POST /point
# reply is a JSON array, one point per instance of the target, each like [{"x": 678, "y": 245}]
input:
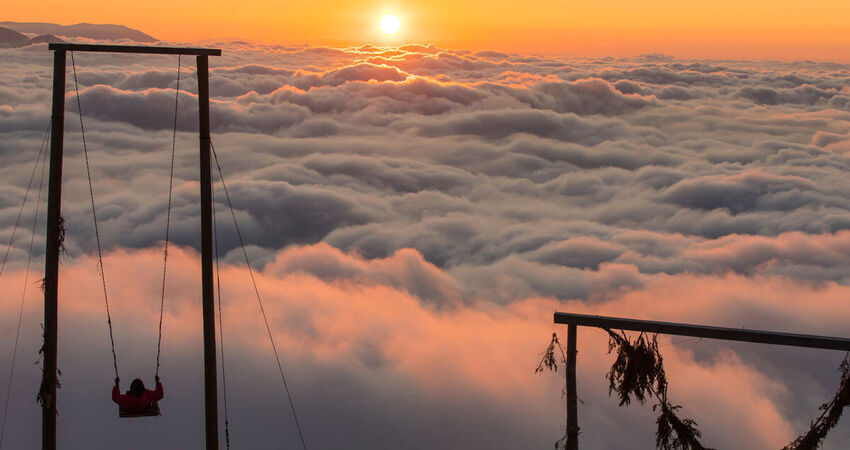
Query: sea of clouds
[{"x": 415, "y": 215}]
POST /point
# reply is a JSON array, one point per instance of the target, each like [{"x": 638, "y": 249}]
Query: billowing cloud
[
  {"x": 416, "y": 215},
  {"x": 365, "y": 338}
]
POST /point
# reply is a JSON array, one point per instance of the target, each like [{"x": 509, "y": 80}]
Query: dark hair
[{"x": 137, "y": 388}]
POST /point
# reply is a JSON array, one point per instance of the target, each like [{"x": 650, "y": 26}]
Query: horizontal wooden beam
[
  {"x": 702, "y": 331},
  {"x": 136, "y": 49}
]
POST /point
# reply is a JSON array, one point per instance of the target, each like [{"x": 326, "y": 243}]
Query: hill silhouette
[
  {"x": 86, "y": 30},
  {"x": 11, "y": 39},
  {"x": 44, "y": 38}
]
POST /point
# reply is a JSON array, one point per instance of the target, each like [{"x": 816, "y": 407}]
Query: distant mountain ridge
[
  {"x": 86, "y": 30},
  {"x": 11, "y": 38}
]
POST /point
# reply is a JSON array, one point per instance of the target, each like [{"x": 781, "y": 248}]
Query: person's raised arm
[
  {"x": 158, "y": 393},
  {"x": 116, "y": 391}
]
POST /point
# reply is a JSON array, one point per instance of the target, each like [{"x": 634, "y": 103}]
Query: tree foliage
[
  {"x": 61, "y": 239},
  {"x": 548, "y": 358},
  {"x": 549, "y": 361},
  {"x": 638, "y": 371},
  {"x": 830, "y": 413},
  {"x": 673, "y": 432}
]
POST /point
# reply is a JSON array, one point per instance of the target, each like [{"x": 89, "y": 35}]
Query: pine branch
[
  {"x": 638, "y": 372},
  {"x": 638, "y": 368},
  {"x": 830, "y": 415},
  {"x": 549, "y": 361},
  {"x": 674, "y": 433}
]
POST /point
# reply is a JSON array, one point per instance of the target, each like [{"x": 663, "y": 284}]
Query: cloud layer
[{"x": 418, "y": 213}]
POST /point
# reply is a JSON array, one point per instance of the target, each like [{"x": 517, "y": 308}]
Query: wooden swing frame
[{"x": 55, "y": 229}]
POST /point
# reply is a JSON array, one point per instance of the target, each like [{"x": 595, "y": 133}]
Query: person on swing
[{"x": 137, "y": 398}]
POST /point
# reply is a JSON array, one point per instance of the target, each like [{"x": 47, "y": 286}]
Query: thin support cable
[
  {"x": 23, "y": 298},
  {"x": 220, "y": 325},
  {"x": 94, "y": 216},
  {"x": 26, "y": 195},
  {"x": 259, "y": 300},
  {"x": 168, "y": 219}
]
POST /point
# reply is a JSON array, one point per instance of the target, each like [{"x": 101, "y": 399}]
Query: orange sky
[{"x": 788, "y": 29}]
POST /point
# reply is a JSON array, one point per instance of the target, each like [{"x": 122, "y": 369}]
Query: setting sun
[{"x": 390, "y": 24}]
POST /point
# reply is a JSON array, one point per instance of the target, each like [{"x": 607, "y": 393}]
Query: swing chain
[
  {"x": 100, "y": 266},
  {"x": 94, "y": 217},
  {"x": 168, "y": 219}
]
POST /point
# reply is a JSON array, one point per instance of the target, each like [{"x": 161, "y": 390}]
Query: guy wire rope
[
  {"x": 220, "y": 326},
  {"x": 26, "y": 195},
  {"x": 259, "y": 300},
  {"x": 26, "y": 275}
]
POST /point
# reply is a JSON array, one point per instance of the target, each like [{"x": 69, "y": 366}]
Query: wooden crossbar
[
  {"x": 135, "y": 49},
  {"x": 683, "y": 329}
]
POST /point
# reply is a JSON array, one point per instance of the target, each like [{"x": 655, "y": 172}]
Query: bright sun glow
[{"x": 390, "y": 24}]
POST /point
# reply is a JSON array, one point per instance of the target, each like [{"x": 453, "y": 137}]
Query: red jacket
[{"x": 137, "y": 403}]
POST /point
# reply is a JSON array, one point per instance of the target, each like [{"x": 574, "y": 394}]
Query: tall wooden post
[
  {"x": 49, "y": 380},
  {"x": 572, "y": 396},
  {"x": 210, "y": 379}
]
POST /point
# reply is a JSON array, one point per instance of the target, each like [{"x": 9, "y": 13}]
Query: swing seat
[{"x": 150, "y": 411}]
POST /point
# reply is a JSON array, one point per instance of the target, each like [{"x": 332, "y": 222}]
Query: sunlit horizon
[{"x": 795, "y": 30}]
